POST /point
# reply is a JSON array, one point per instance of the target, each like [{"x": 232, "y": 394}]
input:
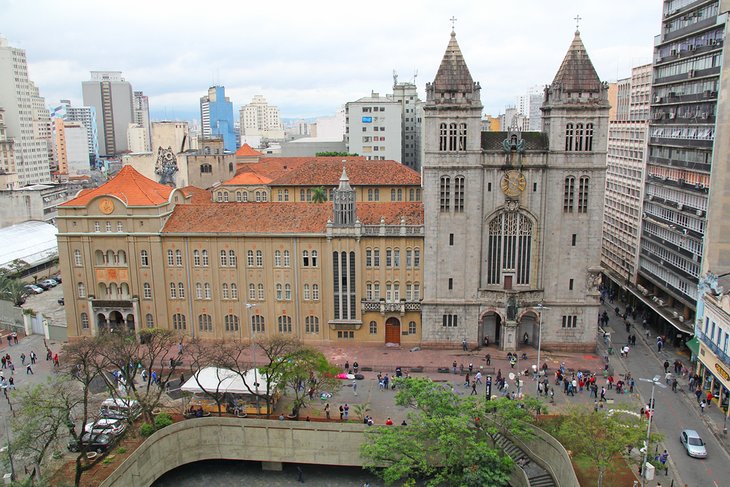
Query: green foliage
[
  {"x": 319, "y": 195},
  {"x": 360, "y": 410},
  {"x": 107, "y": 461},
  {"x": 335, "y": 154},
  {"x": 12, "y": 290},
  {"x": 162, "y": 420},
  {"x": 146, "y": 430},
  {"x": 311, "y": 368},
  {"x": 443, "y": 444},
  {"x": 121, "y": 450}
]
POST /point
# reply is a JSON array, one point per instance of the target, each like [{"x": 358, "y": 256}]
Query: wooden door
[
  {"x": 392, "y": 331},
  {"x": 508, "y": 282}
]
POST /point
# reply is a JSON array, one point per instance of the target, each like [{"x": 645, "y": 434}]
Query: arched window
[
  {"x": 392, "y": 195},
  {"x": 102, "y": 290},
  {"x": 569, "y": 137},
  {"x": 224, "y": 291},
  {"x": 147, "y": 290},
  {"x": 578, "y": 136},
  {"x": 205, "y": 258},
  {"x": 225, "y": 197},
  {"x": 232, "y": 258},
  {"x": 245, "y": 196},
  {"x": 149, "y": 321},
  {"x": 257, "y": 324},
  {"x": 305, "y": 258},
  {"x": 122, "y": 257},
  {"x": 84, "y": 321},
  {"x": 583, "y": 194},
  {"x": 173, "y": 291},
  {"x": 251, "y": 292},
  {"x": 568, "y": 188},
  {"x": 314, "y": 258},
  {"x": 78, "y": 260},
  {"x": 287, "y": 292},
  {"x": 373, "y": 328},
  {"x": 234, "y": 291},
  {"x": 311, "y": 324},
  {"x": 277, "y": 258},
  {"x": 205, "y": 323},
  {"x": 588, "y": 146},
  {"x": 259, "y": 258},
  {"x": 445, "y": 193},
  {"x": 239, "y": 198},
  {"x": 124, "y": 290},
  {"x": 249, "y": 258},
  {"x": 284, "y": 324},
  {"x": 509, "y": 249},
  {"x": 462, "y": 137},
  {"x": 178, "y": 321},
  {"x": 443, "y": 138},
  {"x": 224, "y": 258},
  {"x": 286, "y": 258},
  {"x": 459, "y": 194},
  {"x": 81, "y": 290},
  {"x": 452, "y": 137},
  {"x": 207, "y": 291},
  {"x": 219, "y": 196},
  {"x": 279, "y": 293},
  {"x": 109, "y": 257},
  {"x": 180, "y": 290},
  {"x": 99, "y": 257},
  {"x": 231, "y": 322},
  {"x": 178, "y": 258},
  {"x": 196, "y": 258}
]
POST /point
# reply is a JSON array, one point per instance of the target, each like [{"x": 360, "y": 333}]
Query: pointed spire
[
  {"x": 344, "y": 181},
  {"x": 453, "y": 74},
  {"x": 577, "y": 72}
]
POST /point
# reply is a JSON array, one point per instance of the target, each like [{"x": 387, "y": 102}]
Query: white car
[
  {"x": 108, "y": 426},
  {"x": 693, "y": 444}
]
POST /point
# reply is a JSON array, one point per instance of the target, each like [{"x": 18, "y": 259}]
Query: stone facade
[{"x": 513, "y": 220}]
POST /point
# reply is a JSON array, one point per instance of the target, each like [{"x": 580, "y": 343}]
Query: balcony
[
  {"x": 722, "y": 356},
  {"x": 380, "y": 306}
]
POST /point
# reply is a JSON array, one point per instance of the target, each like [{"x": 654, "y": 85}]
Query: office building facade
[
  {"x": 216, "y": 116},
  {"x": 112, "y": 99}
]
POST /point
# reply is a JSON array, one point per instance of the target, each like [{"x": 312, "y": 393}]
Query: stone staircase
[{"x": 538, "y": 476}]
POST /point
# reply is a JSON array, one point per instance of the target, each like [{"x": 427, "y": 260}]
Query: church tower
[
  {"x": 513, "y": 219},
  {"x": 344, "y": 202},
  {"x": 452, "y": 181}
]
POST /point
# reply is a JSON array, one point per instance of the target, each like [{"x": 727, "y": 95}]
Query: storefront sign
[{"x": 722, "y": 372}]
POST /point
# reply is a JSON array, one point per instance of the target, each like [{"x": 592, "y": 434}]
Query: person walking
[
  {"x": 347, "y": 411},
  {"x": 474, "y": 388},
  {"x": 354, "y": 386},
  {"x": 703, "y": 405},
  {"x": 300, "y": 474},
  {"x": 489, "y": 359},
  {"x": 342, "y": 412},
  {"x": 28, "y": 370},
  {"x": 22, "y": 358},
  {"x": 464, "y": 345},
  {"x": 327, "y": 410}
]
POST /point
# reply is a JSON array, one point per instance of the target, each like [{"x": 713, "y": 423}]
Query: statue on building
[{"x": 166, "y": 166}]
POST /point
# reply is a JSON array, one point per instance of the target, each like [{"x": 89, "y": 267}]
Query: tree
[
  {"x": 42, "y": 412},
  {"x": 599, "y": 436},
  {"x": 155, "y": 350},
  {"x": 442, "y": 444},
  {"x": 304, "y": 373},
  {"x": 12, "y": 290},
  {"x": 84, "y": 364},
  {"x": 205, "y": 353},
  {"x": 319, "y": 195}
]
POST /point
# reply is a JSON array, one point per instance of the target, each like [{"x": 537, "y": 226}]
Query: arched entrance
[
  {"x": 392, "y": 330},
  {"x": 130, "y": 322},
  {"x": 116, "y": 321},
  {"x": 491, "y": 327},
  {"x": 528, "y": 326},
  {"x": 101, "y": 322}
]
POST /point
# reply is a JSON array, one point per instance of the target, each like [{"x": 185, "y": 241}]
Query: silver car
[{"x": 693, "y": 444}]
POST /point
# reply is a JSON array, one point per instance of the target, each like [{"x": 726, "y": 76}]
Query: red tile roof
[
  {"x": 281, "y": 217},
  {"x": 199, "y": 196},
  {"x": 326, "y": 171},
  {"x": 247, "y": 178},
  {"x": 130, "y": 187},
  {"x": 247, "y": 150},
  {"x": 250, "y": 218}
]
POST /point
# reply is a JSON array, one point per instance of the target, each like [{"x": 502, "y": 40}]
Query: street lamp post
[
  {"x": 655, "y": 381},
  {"x": 540, "y": 309}
]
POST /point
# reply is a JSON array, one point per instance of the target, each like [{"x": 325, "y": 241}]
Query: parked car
[
  {"x": 33, "y": 289},
  {"x": 107, "y": 426},
  {"x": 120, "y": 409},
  {"x": 47, "y": 284},
  {"x": 692, "y": 442},
  {"x": 57, "y": 278},
  {"x": 95, "y": 442}
]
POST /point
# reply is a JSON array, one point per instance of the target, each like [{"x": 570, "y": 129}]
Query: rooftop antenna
[{"x": 415, "y": 75}]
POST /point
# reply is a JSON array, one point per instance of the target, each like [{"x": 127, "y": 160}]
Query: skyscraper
[
  {"x": 84, "y": 115},
  {"x": 406, "y": 94},
  {"x": 111, "y": 97},
  {"x": 24, "y": 122},
  {"x": 216, "y": 116},
  {"x": 688, "y": 57},
  {"x": 142, "y": 117},
  {"x": 260, "y": 118}
]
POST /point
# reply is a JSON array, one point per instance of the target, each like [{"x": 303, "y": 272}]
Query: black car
[{"x": 95, "y": 442}]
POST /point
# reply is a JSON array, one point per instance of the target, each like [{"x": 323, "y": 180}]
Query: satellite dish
[{"x": 511, "y": 376}]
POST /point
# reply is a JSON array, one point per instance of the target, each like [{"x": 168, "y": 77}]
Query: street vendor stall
[{"x": 238, "y": 395}]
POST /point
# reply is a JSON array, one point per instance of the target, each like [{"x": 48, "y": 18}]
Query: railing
[
  {"x": 392, "y": 230},
  {"x": 382, "y": 307},
  {"x": 714, "y": 347}
]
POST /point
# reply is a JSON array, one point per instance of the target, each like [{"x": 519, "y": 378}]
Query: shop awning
[{"x": 694, "y": 346}]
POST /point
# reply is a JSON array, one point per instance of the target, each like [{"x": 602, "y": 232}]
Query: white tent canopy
[{"x": 212, "y": 379}]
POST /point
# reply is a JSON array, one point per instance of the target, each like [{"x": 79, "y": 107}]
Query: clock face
[
  {"x": 106, "y": 206},
  {"x": 513, "y": 183}
]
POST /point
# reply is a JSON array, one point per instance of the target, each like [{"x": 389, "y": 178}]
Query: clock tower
[{"x": 513, "y": 219}]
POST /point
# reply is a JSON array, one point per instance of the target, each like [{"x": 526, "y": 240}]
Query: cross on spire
[
  {"x": 577, "y": 19},
  {"x": 453, "y": 21}
]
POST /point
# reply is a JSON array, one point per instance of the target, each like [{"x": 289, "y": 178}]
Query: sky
[{"x": 310, "y": 58}]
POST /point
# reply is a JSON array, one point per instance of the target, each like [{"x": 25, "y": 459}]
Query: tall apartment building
[
  {"x": 41, "y": 117},
  {"x": 374, "y": 127},
  {"x": 258, "y": 118},
  {"x": 111, "y": 96},
  {"x": 411, "y": 123},
  {"x": 84, "y": 115},
  {"x": 8, "y": 177},
  {"x": 625, "y": 163},
  {"x": 688, "y": 58},
  {"x": 19, "y": 99},
  {"x": 137, "y": 140},
  {"x": 142, "y": 117},
  {"x": 216, "y": 116},
  {"x": 529, "y": 105},
  {"x": 71, "y": 147}
]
